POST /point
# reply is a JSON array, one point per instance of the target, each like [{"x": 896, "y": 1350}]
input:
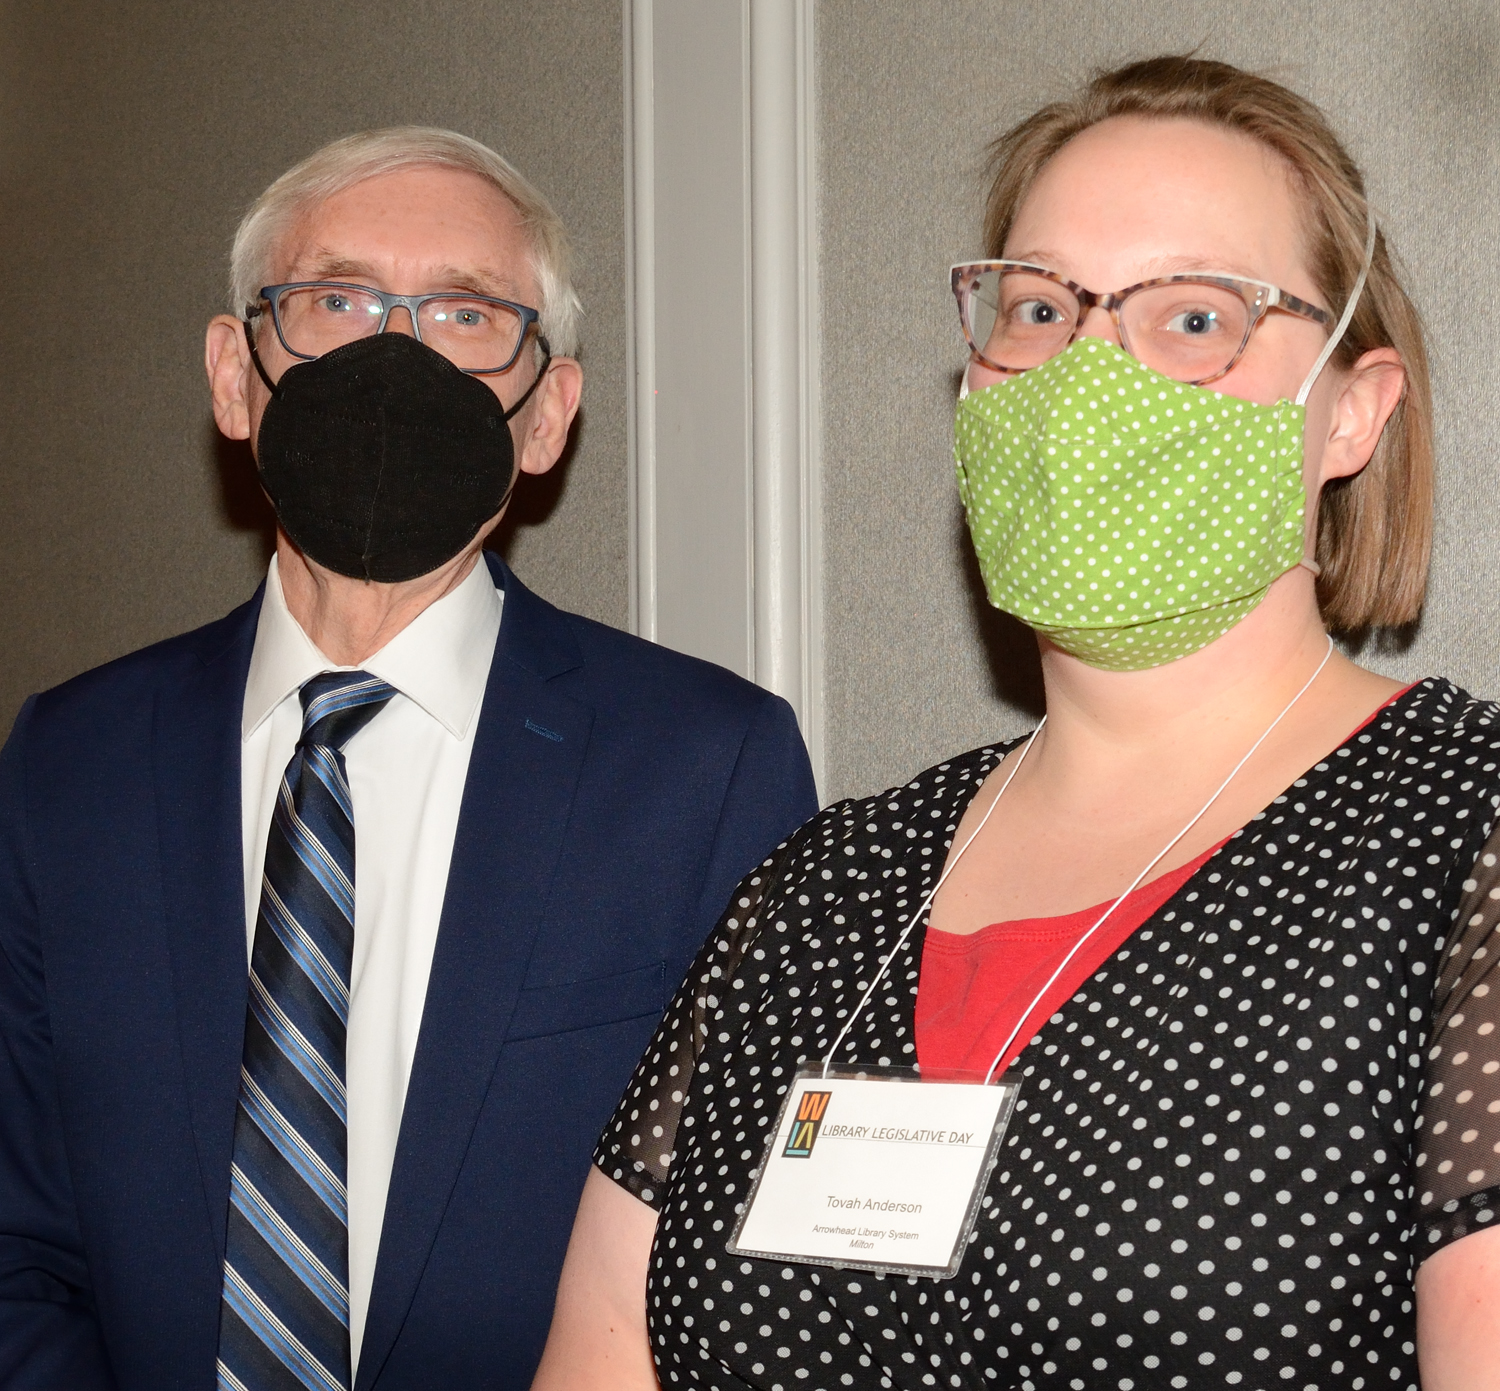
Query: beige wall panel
[
  {"x": 917, "y": 664},
  {"x": 131, "y": 139}
]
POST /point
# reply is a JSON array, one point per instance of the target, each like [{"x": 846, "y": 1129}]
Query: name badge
[{"x": 875, "y": 1169}]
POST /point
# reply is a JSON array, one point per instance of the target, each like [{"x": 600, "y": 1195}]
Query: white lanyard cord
[
  {"x": 927, "y": 902},
  {"x": 1077, "y": 946},
  {"x": 1135, "y": 883}
]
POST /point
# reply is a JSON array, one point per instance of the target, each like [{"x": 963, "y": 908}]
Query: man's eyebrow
[
  {"x": 471, "y": 280},
  {"x": 476, "y": 279},
  {"x": 324, "y": 267}
]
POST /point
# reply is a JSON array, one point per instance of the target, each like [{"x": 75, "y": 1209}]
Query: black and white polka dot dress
[{"x": 1217, "y": 1174}]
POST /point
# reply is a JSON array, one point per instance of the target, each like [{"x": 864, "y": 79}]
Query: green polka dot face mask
[{"x": 1131, "y": 518}]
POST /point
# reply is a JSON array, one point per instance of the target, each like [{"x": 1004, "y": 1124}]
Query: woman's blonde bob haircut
[
  {"x": 1374, "y": 529},
  {"x": 356, "y": 158}
]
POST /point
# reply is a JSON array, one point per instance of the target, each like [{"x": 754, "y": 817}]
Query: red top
[{"x": 974, "y": 987}]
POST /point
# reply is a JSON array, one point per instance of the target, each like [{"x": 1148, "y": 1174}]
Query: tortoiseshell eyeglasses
[{"x": 1192, "y": 328}]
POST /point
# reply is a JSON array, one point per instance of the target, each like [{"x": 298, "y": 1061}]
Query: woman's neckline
[
  {"x": 1065, "y": 925},
  {"x": 1059, "y": 924}
]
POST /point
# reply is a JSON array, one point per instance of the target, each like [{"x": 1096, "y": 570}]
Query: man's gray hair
[{"x": 355, "y": 158}]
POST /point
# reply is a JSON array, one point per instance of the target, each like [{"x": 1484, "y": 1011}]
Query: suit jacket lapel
[
  {"x": 196, "y": 755},
  {"x": 523, "y": 773}
]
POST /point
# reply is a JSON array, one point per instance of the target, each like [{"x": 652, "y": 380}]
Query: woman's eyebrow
[
  {"x": 1048, "y": 260},
  {"x": 1180, "y": 265},
  {"x": 1176, "y": 264}
]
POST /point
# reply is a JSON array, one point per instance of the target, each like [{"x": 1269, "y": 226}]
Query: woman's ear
[{"x": 1371, "y": 391}]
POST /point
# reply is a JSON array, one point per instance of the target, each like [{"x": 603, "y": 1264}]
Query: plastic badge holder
[{"x": 870, "y": 1164}]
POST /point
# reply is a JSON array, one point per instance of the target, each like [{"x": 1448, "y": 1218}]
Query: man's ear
[
  {"x": 549, "y": 414},
  {"x": 1371, "y": 392},
  {"x": 226, "y": 356}
]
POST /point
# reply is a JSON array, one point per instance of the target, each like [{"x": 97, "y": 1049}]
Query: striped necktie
[{"x": 284, "y": 1321}]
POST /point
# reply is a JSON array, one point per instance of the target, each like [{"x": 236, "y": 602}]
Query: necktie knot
[{"x": 338, "y": 704}]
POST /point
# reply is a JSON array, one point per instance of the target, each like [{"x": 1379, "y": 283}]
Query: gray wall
[
  {"x": 131, "y": 139},
  {"x": 132, "y": 136},
  {"x": 917, "y": 665}
]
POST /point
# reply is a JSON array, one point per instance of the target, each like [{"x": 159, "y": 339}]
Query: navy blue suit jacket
[{"x": 616, "y": 793}]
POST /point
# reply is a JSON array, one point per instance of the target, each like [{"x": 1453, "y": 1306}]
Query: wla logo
[{"x": 805, "y": 1128}]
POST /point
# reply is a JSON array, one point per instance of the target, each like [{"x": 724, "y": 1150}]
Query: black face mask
[{"x": 383, "y": 459}]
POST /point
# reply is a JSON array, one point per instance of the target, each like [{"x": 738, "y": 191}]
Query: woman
[{"x": 1210, "y": 923}]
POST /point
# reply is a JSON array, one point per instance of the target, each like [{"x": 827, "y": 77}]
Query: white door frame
[{"x": 721, "y": 221}]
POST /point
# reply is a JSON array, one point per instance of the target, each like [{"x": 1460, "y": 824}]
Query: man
[{"x": 355, "y": 1164}]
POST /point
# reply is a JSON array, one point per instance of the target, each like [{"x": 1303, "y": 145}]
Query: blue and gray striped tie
[{"x": 284, "y": 1322}]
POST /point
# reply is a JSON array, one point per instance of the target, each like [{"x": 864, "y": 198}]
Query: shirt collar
[{"x": 440, "y": 660}]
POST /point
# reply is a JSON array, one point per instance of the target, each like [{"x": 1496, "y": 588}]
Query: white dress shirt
[{"x": 406, "y": 773}]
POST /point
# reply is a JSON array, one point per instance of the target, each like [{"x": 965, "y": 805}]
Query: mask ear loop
[
  {"x": 1334, "y": 339},
  {"x": 249, "y": 328},
  {"x": 1337, "y": 336},
  {"x": 275, "y": 387},
  {"x": 536, "y": 381}
]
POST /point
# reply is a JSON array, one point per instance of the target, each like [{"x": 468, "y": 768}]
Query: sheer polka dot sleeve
[
  {"x": 1458, "y": 1159},
  {"x": 638, "y": 1144}
]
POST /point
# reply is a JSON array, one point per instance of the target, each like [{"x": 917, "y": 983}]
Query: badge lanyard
[
  {"x": 1078, "y": 945},
  {"x": 862, "y": 1173}
]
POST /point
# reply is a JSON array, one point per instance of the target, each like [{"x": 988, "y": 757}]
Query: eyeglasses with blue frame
[{"x": 479, "y": 334}]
